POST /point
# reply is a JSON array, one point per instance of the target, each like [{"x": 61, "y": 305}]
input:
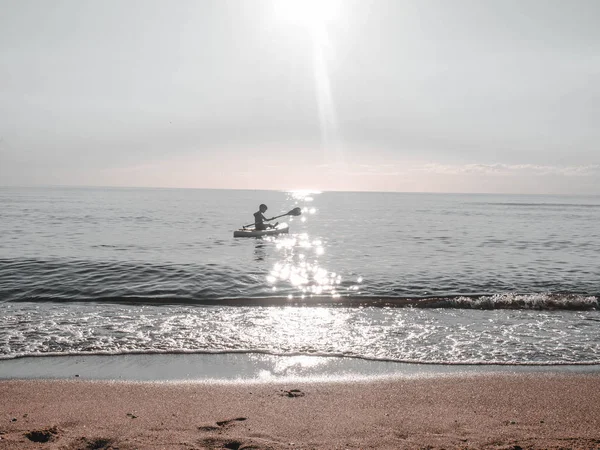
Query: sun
[{"x": 310, "y": 13}]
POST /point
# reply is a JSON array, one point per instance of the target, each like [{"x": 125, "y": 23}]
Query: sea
[{"x": 451, "y": 279}]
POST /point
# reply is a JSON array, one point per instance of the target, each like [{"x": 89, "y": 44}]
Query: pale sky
[{"x": 384, "y": 95}]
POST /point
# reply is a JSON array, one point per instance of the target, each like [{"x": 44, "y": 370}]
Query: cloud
[{"x": 509, "y": 169}]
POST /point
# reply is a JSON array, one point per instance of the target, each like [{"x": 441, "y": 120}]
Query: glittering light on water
[
  {"x": 303, "y": 195},
  {"x": 300, "y": 267},
  {"x": 307, "y": 277}
]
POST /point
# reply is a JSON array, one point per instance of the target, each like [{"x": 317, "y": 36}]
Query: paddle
[{"x": 294, "y": 212}]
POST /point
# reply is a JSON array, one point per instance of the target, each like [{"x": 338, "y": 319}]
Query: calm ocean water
[{"x": 484, "y": 279}]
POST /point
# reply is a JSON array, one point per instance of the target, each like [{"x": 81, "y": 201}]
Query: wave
[
  {"x": 138, "y": 282},
  {"x": 294, "y": 354},
  {"x": 536, "y": 301},
  {"x": 539, "y": 301}
]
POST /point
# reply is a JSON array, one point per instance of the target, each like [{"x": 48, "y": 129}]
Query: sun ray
[{"x": 315, "y": 16}]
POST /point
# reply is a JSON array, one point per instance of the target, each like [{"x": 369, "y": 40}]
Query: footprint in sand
[
  {"x": 221, "y": 424},
  {"x": 94, "y": 444},
  {"x": 224, "y": 423},
  {"x": 42, "y": 436}
]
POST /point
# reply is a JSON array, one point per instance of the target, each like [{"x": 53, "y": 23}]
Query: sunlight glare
[{"x": 310, "y": 13}]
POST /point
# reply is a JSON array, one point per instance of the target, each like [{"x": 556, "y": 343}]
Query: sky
[{"x": 484, "y": 96}]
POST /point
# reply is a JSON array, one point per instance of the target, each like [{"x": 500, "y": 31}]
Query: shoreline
[
  {"x": 258, "y": 367},
  {"x": 485, "y": 410}
]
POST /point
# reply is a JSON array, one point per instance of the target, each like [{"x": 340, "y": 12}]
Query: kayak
[{"x": 251, "y": 232}]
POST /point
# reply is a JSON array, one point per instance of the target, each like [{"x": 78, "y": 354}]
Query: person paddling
[
  {"x": 263, "y": 229},
  {"x": 260, "y": 219}
]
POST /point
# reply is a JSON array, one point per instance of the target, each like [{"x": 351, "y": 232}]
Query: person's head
[{"x": 262, "y": 208}]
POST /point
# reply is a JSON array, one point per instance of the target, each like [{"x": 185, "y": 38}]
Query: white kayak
[{"x": 251, "y": 232}]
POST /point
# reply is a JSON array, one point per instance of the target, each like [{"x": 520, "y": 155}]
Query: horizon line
[{"x": 312, "y": 190}]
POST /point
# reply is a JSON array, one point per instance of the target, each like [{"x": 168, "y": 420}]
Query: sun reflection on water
[
  {"x": 299, "y": 266},
  {"x": 303, "y": 195}
]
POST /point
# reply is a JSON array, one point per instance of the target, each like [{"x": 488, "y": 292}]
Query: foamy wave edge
[
  {"x": 528, "y": 301},
  {"x": 292, "y": 354}
]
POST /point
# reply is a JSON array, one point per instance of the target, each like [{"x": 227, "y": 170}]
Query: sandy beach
[{"x": 500, "y": 411}]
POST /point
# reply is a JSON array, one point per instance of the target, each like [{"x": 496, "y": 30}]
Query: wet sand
[{"x": 499, "y": 411}]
